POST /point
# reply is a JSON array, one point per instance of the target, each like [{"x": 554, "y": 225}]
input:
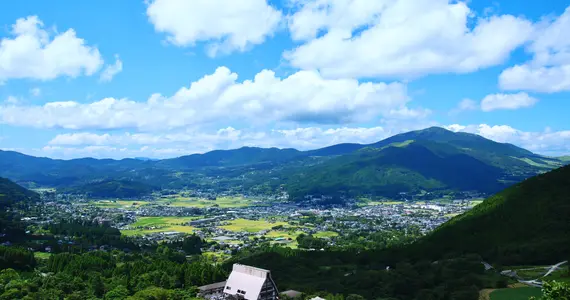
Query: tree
[
  {"x": 119, "y": 292},
  {"x": 554, "y": 290},
  {"x": 96, "y": 285}
]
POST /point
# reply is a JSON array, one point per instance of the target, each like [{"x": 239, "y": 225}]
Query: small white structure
[{"x": 250, "y": 283}]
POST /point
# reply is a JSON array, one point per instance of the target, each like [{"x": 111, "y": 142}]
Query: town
[{"x": 230, "y": 223}]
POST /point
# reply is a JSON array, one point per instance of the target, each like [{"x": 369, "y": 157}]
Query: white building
[{"x": 250, "y": 283}]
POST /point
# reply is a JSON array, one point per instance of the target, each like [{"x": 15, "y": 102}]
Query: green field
[
  {"x": 145, "y": 225},
  {"x": 325, "y": 234},
  {"x": 475, "y": 202},
  {"x": 522, "y": 293},
  {"x": 119, "y": 203},
  {"x": 251, "y": 225},
  {"x": 42, "y": 255},
  {"x": 225, "y": 202}
]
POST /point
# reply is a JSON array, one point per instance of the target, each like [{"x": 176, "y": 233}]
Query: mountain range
[{"x": 433, "y": 159}]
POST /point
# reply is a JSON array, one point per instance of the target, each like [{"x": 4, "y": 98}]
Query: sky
[{"x": 165, "y": 78}]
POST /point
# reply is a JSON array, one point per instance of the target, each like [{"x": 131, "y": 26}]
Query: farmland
[
  {"x": 222, "y": 202},
  {"x": 159, "y": 224},
  {"x": 251, "y": 225}
]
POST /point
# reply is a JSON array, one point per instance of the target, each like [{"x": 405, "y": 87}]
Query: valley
[{"x": 429, "y": 214}]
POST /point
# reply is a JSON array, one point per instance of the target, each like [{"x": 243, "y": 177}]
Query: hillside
[
  {"x": 524, "y": 224},
  {"x": 112, "y": 189},
  {"x": 11, "y": 193},
  {"x": 432, "y": 159},
  {"x": 388, "y": 171}
]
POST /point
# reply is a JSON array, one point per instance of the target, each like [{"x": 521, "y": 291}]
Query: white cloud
[
  {"x": 111, "y": 70},
  {"x": 464, "y": 105},
  {"x": 35, "y": 92},
  {"x": 547, "y": 142},
  {"x": 226, "y": 25},
  {"x": 507, "y": 101},
  {"x": 404, "y": 38},
  {"x": 549, "y": 70},
  {"x": 188, "y": 142},
  {"x": 303, "y": 97},
  {"x": 12, "y": 100},
  {"x": 36, "y": 53},
  {"x": 173, "y": 144}
]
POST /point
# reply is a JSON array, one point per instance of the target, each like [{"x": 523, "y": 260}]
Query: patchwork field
[
  {"x": 251, "y": 225},
  {"x": 146, "y": 225}
]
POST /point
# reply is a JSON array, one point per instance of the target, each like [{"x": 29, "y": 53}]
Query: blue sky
[{"x": 166, "y": 78}]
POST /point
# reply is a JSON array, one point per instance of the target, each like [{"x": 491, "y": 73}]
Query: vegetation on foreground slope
[{"x": 524, "y": 224}]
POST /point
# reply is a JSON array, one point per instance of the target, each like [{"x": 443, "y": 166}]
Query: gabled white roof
[{"x": 246, "y": 278}]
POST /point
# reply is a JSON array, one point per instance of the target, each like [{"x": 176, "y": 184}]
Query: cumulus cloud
[
  {"x": 226, "y": 25},
  {"x": 403, "y": 38},
  {"x": 495, "y": 102},
  {"x": 171, "y": 144},
  {"x": 111, "y": 70},
  {"x": 507, "y": 101},
  {"x": 547, "y": 142},
  {"x": 549, "y": 70},
  {"x": 36, "y": 92},
  {"x": 303, "y": 97},
  {"x": 36, "y": 53},
  {"x": 188, "y": 142}
]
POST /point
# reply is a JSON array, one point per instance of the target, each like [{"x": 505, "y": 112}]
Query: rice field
[
  {"x": 145, "y": 225},
  {"x": 251, "y": 225},
  {"x": 325, "y": 234}
]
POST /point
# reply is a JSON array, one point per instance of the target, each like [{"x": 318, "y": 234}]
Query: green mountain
[
  {"x": 433, "y": 159},
  {"x": 415, "y": 166},
  {"x": 11, "y": 193},
  {"x": 525, "y": 224}
]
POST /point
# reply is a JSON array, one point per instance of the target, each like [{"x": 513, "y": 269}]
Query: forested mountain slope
[
  {"x": 11, "y": 193},
  {"x": 524, "y": 224}
]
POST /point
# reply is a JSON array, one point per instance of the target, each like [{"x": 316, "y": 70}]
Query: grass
[
  {"x": 325, "y": 234},
  {"x": 251, "y": 225},
  {"x": 42, "y": 255},
  {"x": 224, "y": 202},
  {"x": 522, "y": 293},
  {"x": 475, "y": 202},
  {"x": 161, "y": 224}
]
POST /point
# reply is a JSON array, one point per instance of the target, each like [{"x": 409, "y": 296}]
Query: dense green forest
[
  {"x": 428, "y": 159},
  {"x": 11, "y": 193},
  {"x": 524, "y": 224},
  {"x": 164, "y": 274}
]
